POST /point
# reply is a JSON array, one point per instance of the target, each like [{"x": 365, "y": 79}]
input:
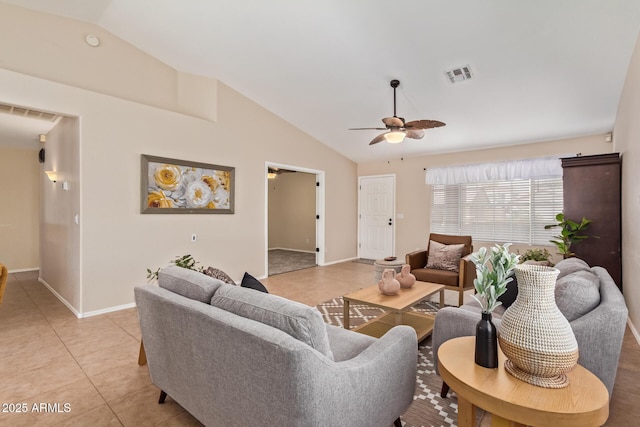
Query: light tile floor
[{"x": 48, "y": 356}]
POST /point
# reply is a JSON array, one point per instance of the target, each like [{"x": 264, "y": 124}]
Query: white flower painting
[{"x": 179, "y": 185}]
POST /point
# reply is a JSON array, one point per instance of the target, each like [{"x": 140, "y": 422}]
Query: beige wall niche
[
  {"x": 20, "y": 212},
  {"x": 292, "y": 212}
]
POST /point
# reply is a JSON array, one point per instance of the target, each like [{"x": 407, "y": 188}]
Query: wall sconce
[
  {"x": 271, "y": 175},
  {"x": 53, "y": 176}
]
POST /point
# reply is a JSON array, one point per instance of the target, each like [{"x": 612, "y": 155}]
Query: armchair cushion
[
  {"x": 448, "y": 278},
  {"x": 444, "y": 257}
]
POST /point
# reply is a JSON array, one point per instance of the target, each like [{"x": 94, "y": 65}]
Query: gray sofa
[
  {"x": 588, "y": 298},
  {"x": 234, "y": 356}
]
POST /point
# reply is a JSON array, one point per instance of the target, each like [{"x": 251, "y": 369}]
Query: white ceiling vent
[
  {"x": 26, "y": 112},
  {"x": 459, "y": 74}
]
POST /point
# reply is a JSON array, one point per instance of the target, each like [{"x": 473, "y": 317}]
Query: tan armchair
[
  {"x": 460, "y": 282},
  {"x": 4, "y": 274}
]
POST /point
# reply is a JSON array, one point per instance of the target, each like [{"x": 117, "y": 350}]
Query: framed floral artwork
[{"x": 181, "y": 186}]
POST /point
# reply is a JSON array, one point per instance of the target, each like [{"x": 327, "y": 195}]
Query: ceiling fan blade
[
  {"x": 367, "y": 129},
  {"x": 423, "y": 124},
  {"x": 378, "y": 138},
  {"x": 414, "y": 133},
  {"x": 393, "y": 122}
]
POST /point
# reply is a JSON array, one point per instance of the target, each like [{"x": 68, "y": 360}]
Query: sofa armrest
[
  {"x": 417, "y": 259},
  {"x": 392, "y": 361},
  {"x": 453, "y": 322},
  {"x": 600, "y": 332}
]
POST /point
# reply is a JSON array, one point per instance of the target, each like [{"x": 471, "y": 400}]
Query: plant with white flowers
[{"x": 493, "y": 272}]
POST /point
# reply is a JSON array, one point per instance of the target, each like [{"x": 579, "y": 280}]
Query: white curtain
[{"x": 541, "y": 167}]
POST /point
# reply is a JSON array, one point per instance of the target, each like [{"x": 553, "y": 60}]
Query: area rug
[{"x": 428, "y": 408}]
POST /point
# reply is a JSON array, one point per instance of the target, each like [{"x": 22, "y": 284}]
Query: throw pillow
[
  {"x": 577, "y": 294},
  {"x": 510, "y": 295},
  {"x": 248, "y": 281},
  {"x": 220, "y": 275},
  {"x": 444, "y": 257},
  {"x": 302, "y": 322}
]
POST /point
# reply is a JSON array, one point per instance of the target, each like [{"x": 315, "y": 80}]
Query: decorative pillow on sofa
[
  {"x": 248, "y": 281},
  {"x": 444, "y": 257},
  {"x": 577, "y": 294},
  {"x": 302, "y": 322},
  {"x": 219, "y": 274},
  {"x": 188, "y": 283}
]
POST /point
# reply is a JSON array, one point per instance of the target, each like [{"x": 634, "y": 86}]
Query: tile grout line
[{"x": 73, "y": 357}]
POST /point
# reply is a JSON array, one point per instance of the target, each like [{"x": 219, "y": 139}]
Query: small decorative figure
[
  {"x": 405, "y": 277},
  {"x": 388, "y": 285}
]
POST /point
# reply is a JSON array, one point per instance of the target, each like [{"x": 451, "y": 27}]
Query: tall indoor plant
[
  {"x": 494, "y": 270},
  {"x": 570, "y": 232}
]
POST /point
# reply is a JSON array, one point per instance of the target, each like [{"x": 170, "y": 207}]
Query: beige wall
[
  {"x": 413, "y": 196},
  {"x": 292, "y": 212},
  {"x": 54, "y": 48},
  {"x": 59, "y": 234},
  {"x": 118, "y": 243},
  {"x": 626, "y": 138},
  {"x": 19, "y": 215}
]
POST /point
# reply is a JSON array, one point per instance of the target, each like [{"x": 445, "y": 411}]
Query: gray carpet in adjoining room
[{"x": 283, "y": 261}]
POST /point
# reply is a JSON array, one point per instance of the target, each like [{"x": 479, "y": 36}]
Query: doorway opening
[{"x": 294, "y": 218}]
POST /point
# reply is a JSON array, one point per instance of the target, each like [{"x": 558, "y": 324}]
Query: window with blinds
[{"x": 498, "y": 211}]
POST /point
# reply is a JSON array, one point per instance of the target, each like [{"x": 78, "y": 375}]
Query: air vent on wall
[
  {"x": 29, "y": 113},
  {"x": 459, "y": 74}
]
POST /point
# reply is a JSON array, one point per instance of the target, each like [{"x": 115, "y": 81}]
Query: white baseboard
[
  {"x": 62, "y": 300},
  {"x": 339, "y": 261},
  {"x": 77, "y": 313},
  {"x": 109, "y": 310},
  {"x": 22, "y": 270},
  {"x": 634, "y": 331}
]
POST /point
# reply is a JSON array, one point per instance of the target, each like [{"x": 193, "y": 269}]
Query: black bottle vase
[{"x": 486, "y": 342}]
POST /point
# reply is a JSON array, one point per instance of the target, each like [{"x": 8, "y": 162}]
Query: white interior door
[{"x": 376, "y": 218}]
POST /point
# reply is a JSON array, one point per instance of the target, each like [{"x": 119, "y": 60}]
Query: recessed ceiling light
[
  {"x": 92, "y": 40},
  {"x": 459, "y": 74}
]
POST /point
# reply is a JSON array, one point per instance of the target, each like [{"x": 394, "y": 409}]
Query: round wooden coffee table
[{"x": 584, "y": 403}]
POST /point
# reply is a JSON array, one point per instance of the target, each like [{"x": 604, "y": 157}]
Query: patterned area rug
[{"x": 428, "y": 408}]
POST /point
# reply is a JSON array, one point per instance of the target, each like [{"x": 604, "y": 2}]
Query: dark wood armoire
[{"x": 591, "y": 189}]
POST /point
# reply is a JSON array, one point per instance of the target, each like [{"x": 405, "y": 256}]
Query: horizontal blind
[{"x": 513, "y": 211}]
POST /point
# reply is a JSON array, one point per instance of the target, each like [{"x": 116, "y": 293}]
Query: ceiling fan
[{"x": 397, "y": 129}]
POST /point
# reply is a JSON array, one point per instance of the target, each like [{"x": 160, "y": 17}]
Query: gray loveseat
[
  {"x": 233, "y": 356},
  {"x": 588, "y": 298}
]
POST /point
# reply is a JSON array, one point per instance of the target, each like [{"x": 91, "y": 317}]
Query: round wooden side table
[{"x": 511, "y": 402}]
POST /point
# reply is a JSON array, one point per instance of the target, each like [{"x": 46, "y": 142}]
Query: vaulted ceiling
[{"x": 541, "y": 70}]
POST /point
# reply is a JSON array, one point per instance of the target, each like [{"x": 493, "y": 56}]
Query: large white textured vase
[{"x": 534, "y": 335}]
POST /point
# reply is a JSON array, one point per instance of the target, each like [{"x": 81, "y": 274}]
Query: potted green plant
[
  {"x": 570, "y": 233},
  {"x": 539, "y": 256},
  {"x": 494, "y": 270},
  {"x": 185, "y": 261}
]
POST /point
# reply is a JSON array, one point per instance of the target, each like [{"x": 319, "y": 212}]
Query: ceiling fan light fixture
[{"x": 394, "y": 137}]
